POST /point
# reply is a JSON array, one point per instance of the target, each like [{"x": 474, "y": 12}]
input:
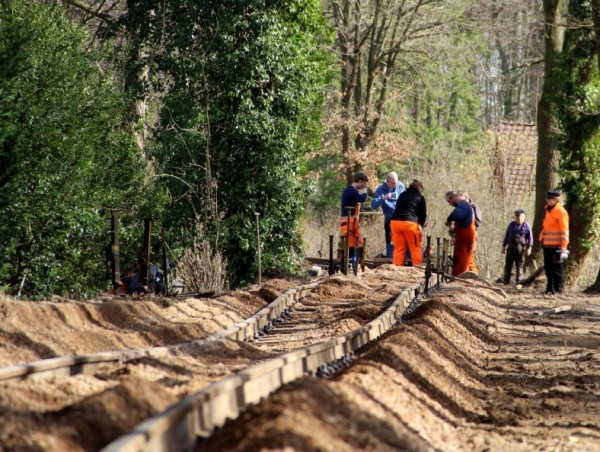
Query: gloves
[{"x": 564, "y": 254}]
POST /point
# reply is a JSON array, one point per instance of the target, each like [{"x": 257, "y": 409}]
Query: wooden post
[
  {"x": 331, "y": 266},
  {"x": 258, "y": 246}
]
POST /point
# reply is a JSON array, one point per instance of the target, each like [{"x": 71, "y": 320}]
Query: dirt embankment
[
  {"x": 86, "y": 412},
  {"x": 40, "y": 330},
  {"x": 471, "y": 371}
]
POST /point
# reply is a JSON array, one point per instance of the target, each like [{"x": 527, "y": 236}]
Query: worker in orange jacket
[
  {"x": 462, "y": 223},
  {"x": 554, "y": 238}
]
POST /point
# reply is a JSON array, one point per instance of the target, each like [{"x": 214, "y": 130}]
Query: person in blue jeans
[
  {"x": 517, "y": 244},
  {"x": 386, "y": 196}
]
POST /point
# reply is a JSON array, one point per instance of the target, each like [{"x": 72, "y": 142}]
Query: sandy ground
[
  {"x": 470, "y": 370},
  {"x": 86, "y": 412}
]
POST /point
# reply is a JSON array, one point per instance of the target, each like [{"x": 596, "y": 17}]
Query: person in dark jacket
[
  {"x": 517, "y": 244},
  {"x": 407, "y": 224},
  {"x": 352, "y": 197}
]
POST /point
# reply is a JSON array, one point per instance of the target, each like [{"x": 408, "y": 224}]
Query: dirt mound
[
  {"x": 470, "y": 370},
  {"x": 311, "y": 415},
  {"x": 39, "y": 330}
]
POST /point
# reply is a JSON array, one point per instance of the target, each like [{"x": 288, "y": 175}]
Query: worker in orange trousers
[
  {"x": 407, "y": 224},
  {"x": 462, "y": 222}
]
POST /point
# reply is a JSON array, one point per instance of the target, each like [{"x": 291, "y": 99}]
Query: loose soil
[{"x": 471, "y": 369}]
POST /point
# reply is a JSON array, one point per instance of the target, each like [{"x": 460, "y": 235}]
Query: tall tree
[
  {"x": 511, "y": 72},
  {"x": 372, "y": 39},
  {"x": 63, "y": 153},
  {"x": 242, "y": 86},
  {"x": 577, "y": 100},
  {"x": 547, "y": 120}
]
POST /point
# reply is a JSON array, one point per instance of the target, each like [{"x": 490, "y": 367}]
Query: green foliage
[
  {"x": 242, "y": 109},
  {"x": 63, "y": 155},
  {"x": 576, "y": 83}
]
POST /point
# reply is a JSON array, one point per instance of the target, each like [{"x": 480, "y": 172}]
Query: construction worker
[
  {"x": 407, "y": 224},
  {"x": 517, "y": 244},
  {"x": 352, "y": 196},
  {"x": 386, "y": 196},
  {"x": 461, "y": 222},
  {"x": 554, "y": 238}
]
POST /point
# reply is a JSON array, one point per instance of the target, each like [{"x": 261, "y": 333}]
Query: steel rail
[
  {"x": 89, "y": 363},
  {"x": 199, "y": 414}
]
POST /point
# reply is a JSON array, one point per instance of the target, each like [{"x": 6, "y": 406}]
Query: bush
[
  {"x": 63, "y": 154},
  {"x": 202, "y": 268}
]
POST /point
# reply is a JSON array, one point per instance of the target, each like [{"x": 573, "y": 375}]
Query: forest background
[{"x": 203, "y": 114}]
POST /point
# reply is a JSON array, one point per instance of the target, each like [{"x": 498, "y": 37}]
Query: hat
[
  {"x": 519, "y": 212},
  {"x": 552, "y": 194}
]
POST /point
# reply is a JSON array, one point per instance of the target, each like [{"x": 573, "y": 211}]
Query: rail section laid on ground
[
  {"x": 90, "y": 363},
  {"x": 198, "y": 415}
]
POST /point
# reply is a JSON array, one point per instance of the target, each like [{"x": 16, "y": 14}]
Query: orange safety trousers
[
  {"x": 406, "y": 234},
  {"x": 465, "y": 242},
  {"x": 354, "y": 236}
]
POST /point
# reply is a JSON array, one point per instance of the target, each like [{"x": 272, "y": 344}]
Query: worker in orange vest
[
  {"x": 352, "y": 197},
  {"x": 461, "y": 222},
  {"x": 554, "y": 238}
]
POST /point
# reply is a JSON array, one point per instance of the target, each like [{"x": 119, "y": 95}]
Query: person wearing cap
[
  {"x": 386, "y": 196},
  {"x": 554, "y": 238},
  {"x": 352, "y": 197},
  {"x": 465, "y": 233},
  {"x": 517, "y": 244}
]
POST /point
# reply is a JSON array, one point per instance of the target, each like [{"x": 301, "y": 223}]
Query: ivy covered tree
[
  {"x": 576, "y": 98},
  {"x": 242, "y": 88},
  {"x": 63, "y": 155}
]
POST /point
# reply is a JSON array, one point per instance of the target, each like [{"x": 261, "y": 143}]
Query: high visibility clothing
[
  {"x": 353, "y": 231},
  {"x": 406, "y": 234},
  {"x": 555, "y": 228},
  {"x": 465, "y": 242}
]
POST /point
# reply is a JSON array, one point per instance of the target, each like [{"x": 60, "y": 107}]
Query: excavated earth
[{"x": 472, "y": 369}]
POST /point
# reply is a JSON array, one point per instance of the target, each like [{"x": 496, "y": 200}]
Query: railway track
[
  {"x": 299, "y": 318},
  {"x": 181, "y": 425},
  {"x": 88, "y": 364}
]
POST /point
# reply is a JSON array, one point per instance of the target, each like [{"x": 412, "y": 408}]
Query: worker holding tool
[
  {"x": 554, "y": 238},
  {"x": 517, "y": 244},
  {"x": 386, "y": 196},
  {"x": 461, "y": 223},
  {"x": 407, "y": 224},
  {"x": 352, "y": 197}
]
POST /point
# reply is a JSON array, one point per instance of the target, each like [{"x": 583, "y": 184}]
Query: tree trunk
[
  {"x": 547, "y": 155},
  {"x": 596, "y": 15}
]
